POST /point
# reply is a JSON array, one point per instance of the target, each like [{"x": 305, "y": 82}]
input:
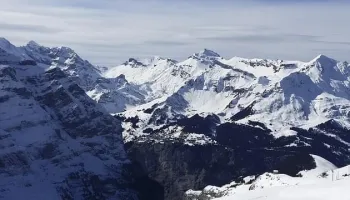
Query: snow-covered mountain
[
  {"x": 187, "y": 124},
  {"x": 280, "y": 94},
  {"x": 242, "y": 104},
  {"x": 55, "y": 141},
  {"x": 113, "y": 93}
]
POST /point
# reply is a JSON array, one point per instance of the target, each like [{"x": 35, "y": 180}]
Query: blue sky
[{"x": 107, "y": 32}]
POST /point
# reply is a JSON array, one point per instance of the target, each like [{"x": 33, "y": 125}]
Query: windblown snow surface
[{"x": 325, "y": 182}]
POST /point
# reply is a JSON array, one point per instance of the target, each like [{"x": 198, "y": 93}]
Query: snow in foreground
[
  {"x": 337, "y": 190},
  {"x": 331, "y": 184}
]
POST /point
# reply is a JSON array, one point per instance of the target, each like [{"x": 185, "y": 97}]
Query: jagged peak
[
  {"x": 12, "y": 49},
  {"x": 65, "y": 52},
  {"x": 146, "y": 61},
  {"x": 207, "y": 53},
  {"x": 155, "y": 59},
  {"x": 323, "y": 59},
  {"x": 4, "y": 43},
  {"x": 133, "y": 62},
  {"x": 64, "y": 48},
  {"x": 32, "y": 43},
  {"x": 121, "y": 78}
]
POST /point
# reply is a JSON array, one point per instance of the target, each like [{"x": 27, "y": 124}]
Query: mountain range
[{"x": 86, "y": 132}]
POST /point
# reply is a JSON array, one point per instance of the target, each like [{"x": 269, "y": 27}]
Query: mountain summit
[
  {"x": 33, "y": 44},
  {"x": 207, "y": 53},
  {"x": 323, "y": 60}
]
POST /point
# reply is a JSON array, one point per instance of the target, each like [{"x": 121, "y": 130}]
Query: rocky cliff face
[
  {"x": 112, "y": 93},
  {"x": 56, "y": 142},
  {"x": 182, "y": 160},
  {"x": 178, "y": 167}
]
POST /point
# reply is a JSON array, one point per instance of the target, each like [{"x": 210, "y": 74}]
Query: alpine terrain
[{"x": 163, "y": 129}]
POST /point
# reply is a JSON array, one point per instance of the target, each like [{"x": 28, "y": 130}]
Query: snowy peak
[
  {"x": 32, "y": 44},
  {"x": 206, "y": 57},
  {"x": 323, "y": 60},
  {"x": 148, "y": 62},
  {"x": 64, "y": 52},
  {"x": 207, "y": 53}
]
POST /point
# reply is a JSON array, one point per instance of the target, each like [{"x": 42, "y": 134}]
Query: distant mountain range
[{"x": 88, "y": 132}]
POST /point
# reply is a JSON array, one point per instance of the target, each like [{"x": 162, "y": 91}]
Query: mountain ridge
[
  {"x": 216, "y": 115},
  {"x": 298, "y": 92}
]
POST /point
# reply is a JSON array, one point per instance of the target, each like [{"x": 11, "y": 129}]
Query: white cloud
[{"x": 110, "y": 31}]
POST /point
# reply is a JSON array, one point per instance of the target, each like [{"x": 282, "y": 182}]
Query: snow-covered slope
[
  {"x": 280, "y": 94},
  {"x": 243, "y": 105},
  {"x": 329, "y": 183}
]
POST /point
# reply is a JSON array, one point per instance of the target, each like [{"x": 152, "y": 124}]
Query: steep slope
[
  {"x": 115, "y": 94},
  {"x": 56, "y": 143},
  {"x": 9, "y": 54}
]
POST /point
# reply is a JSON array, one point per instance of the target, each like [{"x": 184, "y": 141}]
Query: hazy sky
[{"x": 108, "y": 32}]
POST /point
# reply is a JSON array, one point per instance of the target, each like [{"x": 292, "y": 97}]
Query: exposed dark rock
[
  {"x": 146, "y": 187},
  {"x": 150, "y": 110},
  {"x": 314, "y": 141},
  {"x": 241, "y": 150},
  {"x": 8, "y": 72},
  {"x": 28, "y": 62},
  {"x": 24, "y": 92},
  {"x": 243, "y": 136},
  {"x": 180, "y": 167},
  {"x": 12, "y": 160},
  {"x": 148, "y": 130},
  {"x": 243, "y": 113},
  {"x": 48, "y": 151},
  {"x": 159, "y": 116},
  {"x": 200, "y": 125},
  {"x": 94, "y": 188},
  {"x": 259, "y": 124},
  {"x": 4, "y": 98},
  {"x": 133, "y": 121}
]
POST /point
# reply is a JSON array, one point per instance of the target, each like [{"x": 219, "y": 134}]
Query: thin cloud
[
  {"x": 264, "y": 38},
  {"x": 110, "y": 31},
  {"x": 27, "y": 28}
]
